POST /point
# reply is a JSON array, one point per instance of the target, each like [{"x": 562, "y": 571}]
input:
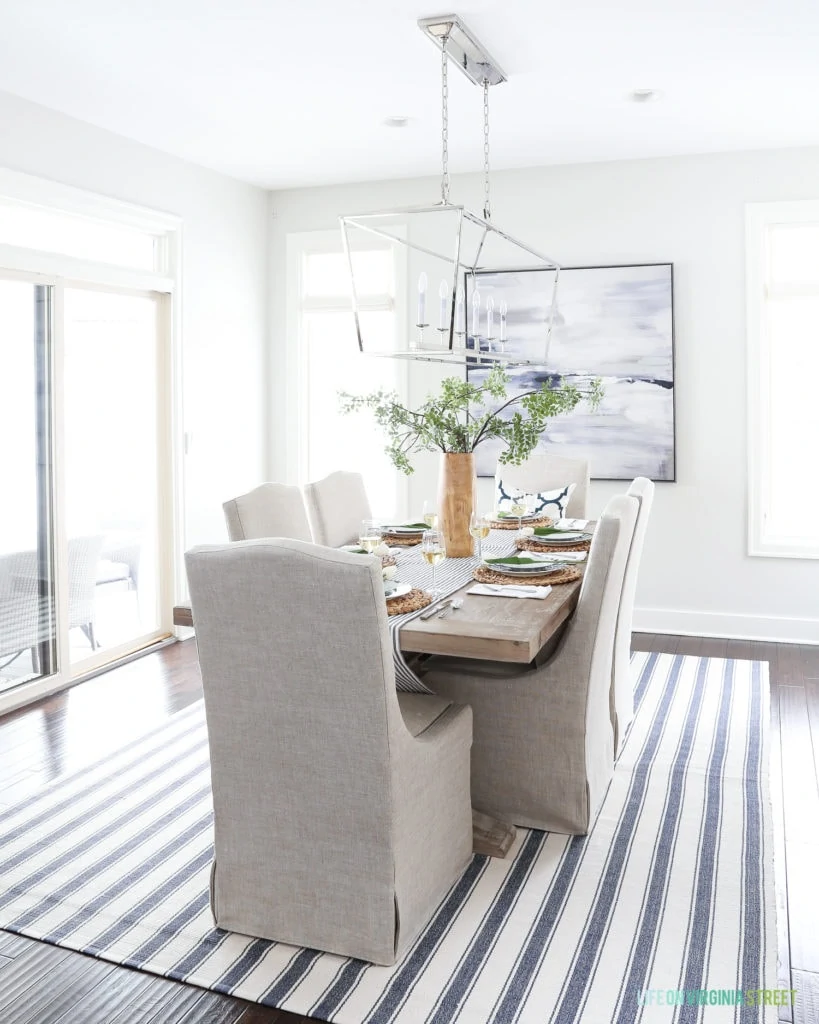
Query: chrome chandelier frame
[{"x": 456, "y": 343}]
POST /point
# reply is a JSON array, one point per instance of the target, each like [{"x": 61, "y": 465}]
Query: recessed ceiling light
[
  {"x": 396, "y": 121},
  {"x": 644, "y": 95}
]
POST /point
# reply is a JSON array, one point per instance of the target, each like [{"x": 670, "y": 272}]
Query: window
[
  {"x": 85, "y": 238},
  {"x": 46, "y": 227},
  {"x": 329, "y": 362},
  {"x": 783, "y": 366}
]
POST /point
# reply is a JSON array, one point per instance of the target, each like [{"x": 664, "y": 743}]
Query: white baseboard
[{"x": 734, "y": 627}]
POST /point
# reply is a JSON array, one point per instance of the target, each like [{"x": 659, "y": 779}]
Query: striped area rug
[{"x": 672, "y": 890}]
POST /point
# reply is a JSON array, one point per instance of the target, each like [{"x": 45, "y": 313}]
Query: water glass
[
  {"x": 433, "y": 552},
  {"x": 370, "y": 535},
  {"x": 479, "y": 528}
]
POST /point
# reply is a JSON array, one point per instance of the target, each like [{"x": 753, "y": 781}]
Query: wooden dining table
[{"x": 487, "y": 628}]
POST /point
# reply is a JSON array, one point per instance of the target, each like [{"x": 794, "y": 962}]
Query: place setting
[
  {"x": 518, "y": 515},
  {"x": 556, "y": 538},
  {"x": 517, "y": 570}
]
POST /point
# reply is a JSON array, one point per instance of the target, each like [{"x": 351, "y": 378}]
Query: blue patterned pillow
[{"x": 547, "y": 503}]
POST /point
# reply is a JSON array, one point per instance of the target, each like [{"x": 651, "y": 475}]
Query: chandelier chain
[
  {"x": 444, "y": 121},
  {"x": 487, "y": 206}
]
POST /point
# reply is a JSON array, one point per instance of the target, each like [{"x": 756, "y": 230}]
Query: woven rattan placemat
[
  {"x": 411, "y": 602},
  {"x": 485, "y": 575},
  {"x": 402, "y": 540},
  {"x": 512, "y": 524},
  {"x": 527, "y": 544}
]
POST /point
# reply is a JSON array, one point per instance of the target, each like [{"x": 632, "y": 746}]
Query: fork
[{"x": 451, "y": 606}]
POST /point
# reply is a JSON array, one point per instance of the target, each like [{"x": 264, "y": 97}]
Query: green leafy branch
[{"x": 463, "y": 415}]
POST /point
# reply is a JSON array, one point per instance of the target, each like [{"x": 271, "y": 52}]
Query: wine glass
[
  {"x": 433, "y": 552},
  {"x": 519, "y": 509},
  {"x": 370, "y": 535},
  {"x": 431, "y": 514},
  {"x": 479, "y": 528}
]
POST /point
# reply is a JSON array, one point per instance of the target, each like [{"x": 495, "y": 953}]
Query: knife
[{"x": 435, "y": 607}]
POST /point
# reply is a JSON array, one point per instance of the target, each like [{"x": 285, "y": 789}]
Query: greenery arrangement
[{"x": 463, "y": 415}]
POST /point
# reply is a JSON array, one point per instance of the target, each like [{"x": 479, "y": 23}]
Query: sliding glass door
[
  {"x": 111, "y": 462},
  {"x": 85, "y": 534},
  {"x": 27, "y": 585}
]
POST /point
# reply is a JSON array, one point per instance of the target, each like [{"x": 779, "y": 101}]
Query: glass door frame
[{"x": 169, "y": 456}]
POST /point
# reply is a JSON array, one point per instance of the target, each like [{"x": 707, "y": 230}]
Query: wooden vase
[{"x": 456, "y": 500}]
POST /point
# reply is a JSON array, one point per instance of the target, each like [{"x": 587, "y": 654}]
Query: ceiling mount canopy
[
  {"x": 463, "y": 49},
  {"x": 449, "y": 243}
]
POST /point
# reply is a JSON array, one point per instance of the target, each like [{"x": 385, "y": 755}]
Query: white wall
[
  {"x": 224, "y": 287},
  {"x": 696, "y": 575}
]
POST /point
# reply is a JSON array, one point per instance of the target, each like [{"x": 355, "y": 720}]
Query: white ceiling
[{"x": 293, "y": 92}]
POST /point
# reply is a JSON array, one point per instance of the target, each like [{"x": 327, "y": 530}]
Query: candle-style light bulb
[
  {"x": 490, "y": 317},
  {"x": 502, "y": 310},
  {"x": 476, "y": 313},
  {"x": 443, "y": 295},
  {"x": 422, "y": 299},
  {"x": 459, "y": 313}
]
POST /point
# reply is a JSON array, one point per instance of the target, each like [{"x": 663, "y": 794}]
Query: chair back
[
  {"x": 580, "y": 670},
  {"x": 622, "y": 688},
  {"x": 300, "y": 702},
  {"x": 269, "y": 510},
  {"x": 336, "y": 506},
  {"x": 547, "y": 473}
]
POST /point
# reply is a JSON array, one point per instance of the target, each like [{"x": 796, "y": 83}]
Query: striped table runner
[{"x": 450, "y": 575}]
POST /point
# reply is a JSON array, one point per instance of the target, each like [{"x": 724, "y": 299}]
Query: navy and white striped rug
[{"x": 672, "y": 890}]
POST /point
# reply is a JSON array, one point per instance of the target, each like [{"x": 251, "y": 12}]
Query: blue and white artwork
[{"x": 615, "y": 323}]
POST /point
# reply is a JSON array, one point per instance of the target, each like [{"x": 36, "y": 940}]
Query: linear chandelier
[{"x": 447, "y": 247}]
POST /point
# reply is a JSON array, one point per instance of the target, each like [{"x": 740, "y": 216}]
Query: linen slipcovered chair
[
  {"x": 541, "y": 473},
  {"x": 342, "y": 809},
  {"x": 336, "y": 506},
  {"x": 269, "y": 510},
  {"x": 543, "y": 748},
  {"x": 622, "y": 685}
]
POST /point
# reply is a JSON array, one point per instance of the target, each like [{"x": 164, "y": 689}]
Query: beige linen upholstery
[
  {"x": 546, "y": 473},
  {"x": 269, "y": 510},
  {"x": 340, "y": 822},
  {"x": 336, "y": 506},
  {"x": 622, "y": 686},
  {"x": 543, "y": 752}
]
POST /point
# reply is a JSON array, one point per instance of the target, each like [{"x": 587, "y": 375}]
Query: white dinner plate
[
  {"x": 524, "y": 518},
  {"x": 393, "y": 590},
  {"x": 559, "y": 538},
  {"x": 524, "y": 570}
]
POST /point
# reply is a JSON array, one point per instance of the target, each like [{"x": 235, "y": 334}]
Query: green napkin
[
  {"x": 514, "y": 560},
  {"x": 409, "y": 526},
  {"x": 548, "y": 531}
]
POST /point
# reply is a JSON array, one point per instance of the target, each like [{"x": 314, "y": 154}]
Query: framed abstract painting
[{"x": 616, "y": 323}]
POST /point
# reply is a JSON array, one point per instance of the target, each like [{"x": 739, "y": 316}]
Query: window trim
[
  {"x": 52, "y": 195},
  {"x": 301, "y": 244},
  {"x": 759, "y": 218}
]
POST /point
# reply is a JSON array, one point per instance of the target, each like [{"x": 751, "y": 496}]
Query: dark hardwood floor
[{"x": 41, "y": 984}]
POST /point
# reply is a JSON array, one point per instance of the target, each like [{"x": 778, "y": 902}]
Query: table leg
[{"x": 490, "y": 836}]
